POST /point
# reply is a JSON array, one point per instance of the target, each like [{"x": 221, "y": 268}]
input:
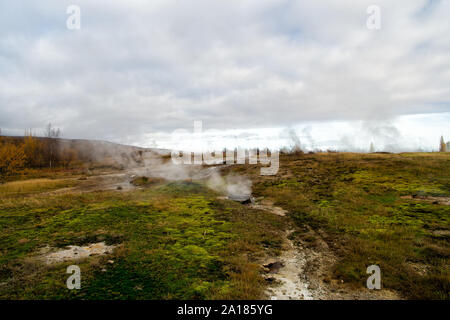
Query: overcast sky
[{"x": 138, "y": 69}]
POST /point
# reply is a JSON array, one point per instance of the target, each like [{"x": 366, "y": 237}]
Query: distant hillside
[{"x": 92, "y": 151}]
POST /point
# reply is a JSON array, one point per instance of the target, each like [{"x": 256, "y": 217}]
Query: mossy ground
[
  {"x": 357, "y": 200},
  {"x": 176, "y": 241}
]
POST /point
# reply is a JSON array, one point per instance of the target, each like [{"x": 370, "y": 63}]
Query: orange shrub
[{"x": 12, "y": 158}]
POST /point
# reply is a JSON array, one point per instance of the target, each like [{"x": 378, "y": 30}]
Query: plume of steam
[
  {"x": 306, "y": 132},
  {"x": 385, "y": 134},
  {"x": 156, "y": 163},
  {"x": 297, "y": 146},
  {"x": 230, "y": 185}
]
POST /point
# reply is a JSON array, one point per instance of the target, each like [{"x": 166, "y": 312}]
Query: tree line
[{"x": 18, "y": 153}]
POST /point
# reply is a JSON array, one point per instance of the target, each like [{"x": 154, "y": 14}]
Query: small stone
[
  {"x": 274, "y": 266},
  {"x": 111, "y": 261}
]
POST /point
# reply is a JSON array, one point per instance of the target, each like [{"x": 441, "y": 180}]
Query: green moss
[
  {"x": 176, "y": 240},
  {"x": 405, "y": 184}
]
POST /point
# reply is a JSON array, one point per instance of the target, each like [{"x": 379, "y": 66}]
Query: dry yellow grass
[{"x": 33, "y": 186}]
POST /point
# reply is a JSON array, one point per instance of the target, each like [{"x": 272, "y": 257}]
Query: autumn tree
[
  {"x": 12, "y": 158},
  {"x": 34, "y": 151},
  {"x": 52, "y": 135},
  {"x": 68, "y": 157}
]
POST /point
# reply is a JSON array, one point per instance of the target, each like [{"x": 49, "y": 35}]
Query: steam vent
[{"x": 244, "y": 199}]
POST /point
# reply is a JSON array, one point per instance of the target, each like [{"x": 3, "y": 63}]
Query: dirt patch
[
  {"x": 146, "y": 181},
  {"x": 304, "y": 270},
  {"x": 267, "y": 205},
  {"x": 113, "y": 181},
  {"x": 73, "y": 253},
  {"x": 137, "y": 178},
  {"x": 436, "y": 200},
  {"x": 441, "y": 233},
  {"x": 110, "y": 181},
  {"x": 304, "y": 273},
  {"x": 287, "y": 272},
  {"x": 419, "y": 268}
]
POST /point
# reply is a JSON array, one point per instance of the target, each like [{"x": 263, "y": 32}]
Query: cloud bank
[{"x": 140, "y": 67}]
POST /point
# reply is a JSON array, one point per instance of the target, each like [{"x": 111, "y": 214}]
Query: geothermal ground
[{"x": 162, "y": 231}]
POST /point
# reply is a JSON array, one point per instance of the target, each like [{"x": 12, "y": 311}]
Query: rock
[{"x": 274, "y": 266}]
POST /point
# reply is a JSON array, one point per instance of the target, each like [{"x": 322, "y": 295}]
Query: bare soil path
[{"x": 303, "y": 271}]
